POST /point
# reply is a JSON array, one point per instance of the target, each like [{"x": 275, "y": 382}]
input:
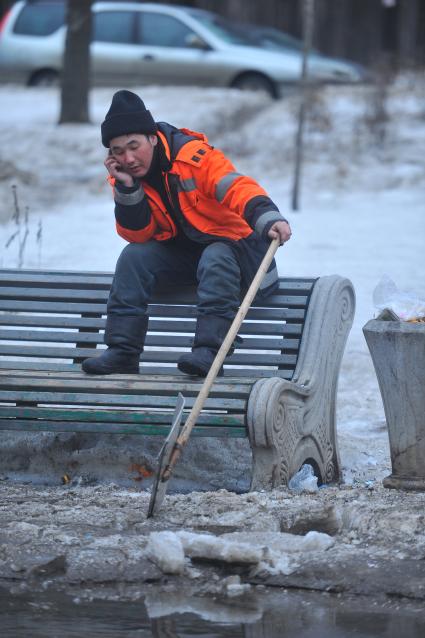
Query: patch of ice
[
  {"x": 316, "y": 542},
  {"x": 165, "y": 604},
  {"x": 282, "y": 542},
  {"x": 165, "y": 549},
  {"x": 267, "y": 551},
  {"x": 219, "y": 548},
  {"x": 279, "y": 564},
  {"x": 235, "y": 589},
  {"x": 27, "y": 529}
]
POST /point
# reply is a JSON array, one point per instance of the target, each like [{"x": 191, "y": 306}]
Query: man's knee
[
  {"x": 219, "y": 281},
  {"x": 219, "y": 257},
  {"x": 137, "y": 256},
  {"x": 128, "y": 256}
]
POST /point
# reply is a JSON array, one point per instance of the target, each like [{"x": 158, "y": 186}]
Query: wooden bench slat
[
  {"x": 155, "y": 325},
  {"x": 48, "y": 321},
  {"x": 57, "y": 336},
  {"x": 92, "y": 384},
  {"x": 45, "y": 294},
  {"x": 117, "y": 416},
  {"x": 162, "y": 340},
  {"x": 54, "y": 273},
  {"x": 151, "y": 356},
  {"x": 41, "y": 280},
  {"x": 11, "y": 277},
  {"x": 52, "y": 307},
  {"x": 101, "y": 296},
  {"x": 265, "y": 314},
  {"x": 138, "y": 400},
  {"x": 229, "y": 372},
  {"x": 69, "y": 373},
  {"x": 149, "y": 369},
  {"x": 116, "y": 428},
  {"x": 286, "y": 288}
]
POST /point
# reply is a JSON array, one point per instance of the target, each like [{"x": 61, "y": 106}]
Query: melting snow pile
[{"x": 269, "y": 552}]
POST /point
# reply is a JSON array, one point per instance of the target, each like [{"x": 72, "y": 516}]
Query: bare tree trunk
[
  {"x": 308, "y": 26},
  {"x": 76, "y": 67},
  {"x": 409, "y": 18}
]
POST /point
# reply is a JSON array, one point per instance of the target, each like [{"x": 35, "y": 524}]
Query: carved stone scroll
[{"x": 293, "y": 422}]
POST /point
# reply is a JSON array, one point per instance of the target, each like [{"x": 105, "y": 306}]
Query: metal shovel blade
[{"x": 159, "y": 487}]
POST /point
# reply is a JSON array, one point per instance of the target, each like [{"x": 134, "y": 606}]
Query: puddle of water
[{"x": 159, "y": 614}]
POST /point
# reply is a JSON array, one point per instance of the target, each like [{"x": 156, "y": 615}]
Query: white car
[{"x": 136, "y": 44}]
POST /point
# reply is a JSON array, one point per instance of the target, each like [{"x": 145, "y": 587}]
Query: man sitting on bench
[{"x": 189, "y": 217}]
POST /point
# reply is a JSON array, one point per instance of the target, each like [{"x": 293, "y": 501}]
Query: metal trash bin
[{"x": 398, "y": 354}]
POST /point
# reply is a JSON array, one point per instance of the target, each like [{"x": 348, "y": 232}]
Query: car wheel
[
  {"x": 47, "y": 77},
  {"x": 255, "y": 82}
]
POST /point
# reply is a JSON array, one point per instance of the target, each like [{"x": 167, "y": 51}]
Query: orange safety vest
[{"x": 210, "y": 194}]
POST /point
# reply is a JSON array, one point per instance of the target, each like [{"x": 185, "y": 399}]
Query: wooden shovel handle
[{"x": 220, "y": 357}]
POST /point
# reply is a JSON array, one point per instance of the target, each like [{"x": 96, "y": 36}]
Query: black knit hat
[{"x": 127, "y": 114}]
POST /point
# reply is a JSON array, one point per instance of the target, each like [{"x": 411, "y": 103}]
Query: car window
[
  {"x": 270, "y": 38},
  {"x": 40, "y": 19},
  {"x": 160, "y": 30},
  {"x": 114, "y": 26},
  {"x": 224, "y": 29}
]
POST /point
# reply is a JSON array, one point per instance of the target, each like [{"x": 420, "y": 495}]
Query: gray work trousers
[{"x": 141, "y": 267}]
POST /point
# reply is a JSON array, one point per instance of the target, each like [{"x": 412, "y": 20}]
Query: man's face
[{"x": 134, "y": 152}]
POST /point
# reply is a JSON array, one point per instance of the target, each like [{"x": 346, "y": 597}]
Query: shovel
[{"x": 175, "y": 441}]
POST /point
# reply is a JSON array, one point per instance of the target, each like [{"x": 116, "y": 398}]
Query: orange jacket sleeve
[{"x": 218, "y": 178}]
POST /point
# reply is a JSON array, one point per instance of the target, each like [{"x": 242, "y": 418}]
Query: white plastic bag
[
  {"x": 304, "y": 480},
  {"x": 405, "y": 305}
]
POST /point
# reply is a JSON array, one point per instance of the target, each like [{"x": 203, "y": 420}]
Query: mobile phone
[{"x": 110, "y": 154}]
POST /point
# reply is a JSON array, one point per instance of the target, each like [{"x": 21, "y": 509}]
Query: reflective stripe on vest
[
  {"x": 129, "y": 199},
  {"x": 186, "y": 185},
  {"x": 272, "y": 215},
  {"x": 224, "y": 184}
]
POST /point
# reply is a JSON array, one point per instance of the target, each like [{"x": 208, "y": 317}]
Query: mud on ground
[{"x": 351, "y": 539}]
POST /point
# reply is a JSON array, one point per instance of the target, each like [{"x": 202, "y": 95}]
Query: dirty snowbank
[{"x": 353, "y": 540}]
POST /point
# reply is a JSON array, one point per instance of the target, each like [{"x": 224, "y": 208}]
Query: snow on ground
[{"x": 362, "y": 201}]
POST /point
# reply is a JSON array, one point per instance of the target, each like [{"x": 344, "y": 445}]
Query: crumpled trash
[
  {"x": 400, "y": 305},
  {"x": 304, "y": 480}
]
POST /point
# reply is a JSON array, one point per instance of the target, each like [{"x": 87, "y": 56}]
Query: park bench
[{"x": 279, "y": 386}]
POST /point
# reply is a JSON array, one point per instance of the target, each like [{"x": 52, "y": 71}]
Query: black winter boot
[
  {"x": 209, "y": 335},
  {"x": 125, "y": 338}
]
